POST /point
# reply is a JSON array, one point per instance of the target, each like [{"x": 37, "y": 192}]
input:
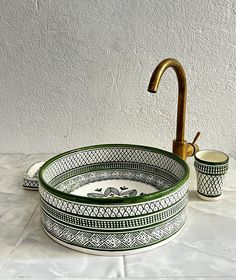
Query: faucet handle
[
  {"x": 196, "y": 137},
  {"x": 192, "y": 148},
  {"x": 195, "y": 146}
]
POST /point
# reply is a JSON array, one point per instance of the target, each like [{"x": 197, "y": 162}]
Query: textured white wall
[{"x": 75, "y": 73}]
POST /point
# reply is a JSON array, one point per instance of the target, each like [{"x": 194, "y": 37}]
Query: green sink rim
[{"x": 115, "y": 200}]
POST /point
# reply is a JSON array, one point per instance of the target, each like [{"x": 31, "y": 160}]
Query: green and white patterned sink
[{"x": 113, "y": 199}]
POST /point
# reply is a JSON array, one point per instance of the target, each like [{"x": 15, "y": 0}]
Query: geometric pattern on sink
[
  {"x": 114, "y": 198},
  {"x": 111, "y": 224},
  {"x": 114, "y": 211},
  {"x": 109, "y": 242}
]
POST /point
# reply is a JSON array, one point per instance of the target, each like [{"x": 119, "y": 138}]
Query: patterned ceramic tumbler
[{"x": 211, "y": 167}]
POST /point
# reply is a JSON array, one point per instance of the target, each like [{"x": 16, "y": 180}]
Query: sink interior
[
  {"x": 115, "y": 183},
  {"x": 127, "y": 175}
]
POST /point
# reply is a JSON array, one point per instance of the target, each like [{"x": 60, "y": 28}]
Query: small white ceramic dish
[{"x": 30, "y": 179}]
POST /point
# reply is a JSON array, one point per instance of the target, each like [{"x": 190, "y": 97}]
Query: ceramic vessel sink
[{"x": 113, "y": 199}]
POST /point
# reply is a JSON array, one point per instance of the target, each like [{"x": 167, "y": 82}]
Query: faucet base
[
  {"x": 184, "y": 149},
  {"x": 180, "y": 149}
]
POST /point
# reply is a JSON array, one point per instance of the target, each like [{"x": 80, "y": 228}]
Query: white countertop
[{"x": 206, "y": 248}]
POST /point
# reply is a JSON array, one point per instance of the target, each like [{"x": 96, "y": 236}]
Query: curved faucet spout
[
  {"x": 180, "y": 146},
  {"x": 154, "y": 83}
]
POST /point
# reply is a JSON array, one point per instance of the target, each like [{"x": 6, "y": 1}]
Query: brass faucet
[{"x": 180, "y": 147}]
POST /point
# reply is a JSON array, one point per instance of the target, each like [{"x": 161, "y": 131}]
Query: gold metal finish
[{"x": 180, "y": 147}]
